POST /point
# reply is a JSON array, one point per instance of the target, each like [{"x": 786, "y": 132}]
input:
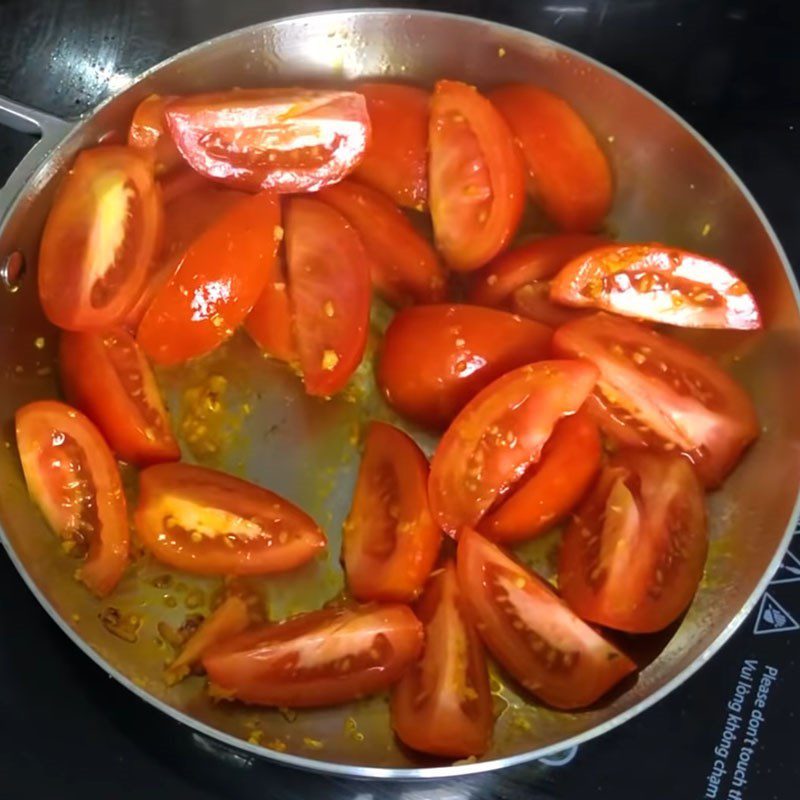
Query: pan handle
[{"x": 51, "y": 131}]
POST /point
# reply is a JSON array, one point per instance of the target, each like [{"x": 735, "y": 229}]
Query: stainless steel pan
[{"x": 670, "y": 185}]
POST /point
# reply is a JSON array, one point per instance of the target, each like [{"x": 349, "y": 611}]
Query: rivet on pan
[{"x": 12, "y": 269}]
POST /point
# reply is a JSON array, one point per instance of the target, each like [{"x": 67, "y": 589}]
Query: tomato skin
[
  {"x": 519, "y": 278},
  {"x": 103, "y": 230},
  {"x": 660, "y": 284},
  {"x": 149, "y": 133},
  {"x": 62, "y": 454},
  {"x": 435, "y": 359},
  {"x": 635, "y": 553},
  {"x": 270, "y": 324},
  {"x": 550, "y": 489},
  {"x": 405, "y": 268},
  {"x": 396, "y": 160},
  {"x": 273, "y": 534},
  {"x": 217, "y": 283},
  {"x": 329, "y": 289},
  {"x": 107, "y": 377},
  {"x": 454, "y": 718},
  {"x": 390, "y": 541},
  {"x": 569, "y": 173},
  {"x": 319, "y": 658},
  {"x": 476, "y": 178},
  {"x": 283, "y": 140},
  {"x": 499, "y": 434},
  {"x": 654, "y": 391},
  {"x": 532, "y": 632}
]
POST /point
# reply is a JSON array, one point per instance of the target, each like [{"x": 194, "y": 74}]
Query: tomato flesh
[
  {"x": 320, "y": 658},
  {"x": 476, "y": 180},
  {"x": 499, "y": 434},
  {"x": 149, "y": 133},
  {"x": 435, "y": 359},
  {"x": 217, "y": 283},
  {"x": 285, "y": 140},
  {"x": 107, "y": 377},
  {"x": 442, "y": 705},
  {"x": 102, "y": 233},
  {"x": 657, "y": 283},
  {"x": 74, "y": 479},
  {"x": 405, "y": 268},
  {"x": 654, "y": 391},
  {"x": 210, "y": 523},
  {"x": 532, "y": 632},
  {"x": 329, "y": 289},
  {"x": 390, "y": 539},
  {"x": 551, "y": 488},
  {"x": 634, "y": 555},
  {"x": 396, "y": 160},
  {"x": 568, "y": 172}
]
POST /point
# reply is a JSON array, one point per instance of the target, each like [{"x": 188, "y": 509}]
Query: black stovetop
[{"x": 732, "y": 69}]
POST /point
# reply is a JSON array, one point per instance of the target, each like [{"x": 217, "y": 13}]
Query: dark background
[{"x": 732, "y": 69}]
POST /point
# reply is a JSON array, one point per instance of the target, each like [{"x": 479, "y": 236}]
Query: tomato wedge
[
  {"x": 532, "y": 632},
  {"x": 658, "y": 283},
  {"x": 73, "y": 478},
  {"x": 634, "y": 555},
  {"x": 216, "y": 284},
  {"x": 405, "y": 268},
  {"x": 569, "y": 174},
  {"x": 519, "y": 279},
  {"x": 203, "y": 521},
  {"x": 476, "y": 178},
  {"x": 329, "y": 288},
  {"x": 396, "y": 160},
  {"x": 654, "y": 391},
  {"x": 103, "y": 230},
  {"x": 442, "y": 705},
  {"x": 390, "y": 540},
  {"x": 149, "y": 132},
  {"x": 435, "y": 359},
  {"x": 107, "y": 377},
  {"x": 317, "y": 659},
  {"x": 285, "y": 140},
  {"x": 499, "y": 434},
  {"x": 551, "y": 488},
  {"x": 230, "y": 618}
]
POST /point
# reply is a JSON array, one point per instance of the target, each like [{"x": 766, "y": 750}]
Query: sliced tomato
[
  {"x": 102, "y": 233},
  {"x": 390, "y": 540},
  {"x": 230, "y": 618},
  {"x": 317, "y": 659},
  {"x": 149, "y": 132},
  {"x": 217, "y": 283},
  {"x": 499, "y": 434},
  {"x": 74, "y": 479},
  {"x": 635, "y": 552},
  {"x": 569, "y": 174},
  {"x": 107, "y": 377},
  {"x": 270, "y": 323},
  {"x": 658, "y": 283},
  {"x": 442, "y": 705},
  {"x": 285, "y": 140},
  {"x": 182, "y": 181},
  {"x": 435, "y": 359},
  {"x": 396, "y": 160},
  {"x": 405, "y": 267},
  {"x": 329, "y": 288},
  {"x": 654, "y": 391},
  {"x": 519, "y": 279},
  {"x": 476, "y": 178},
  {"x": 203, "y": 521},
  {"x": 532, "y": 632},
  {"x": 551, "y": 488}
]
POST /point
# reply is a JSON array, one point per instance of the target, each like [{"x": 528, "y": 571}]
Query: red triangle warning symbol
[
  {"x": 789, "y": 570},
  {"x": 772, "y": 617}
]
